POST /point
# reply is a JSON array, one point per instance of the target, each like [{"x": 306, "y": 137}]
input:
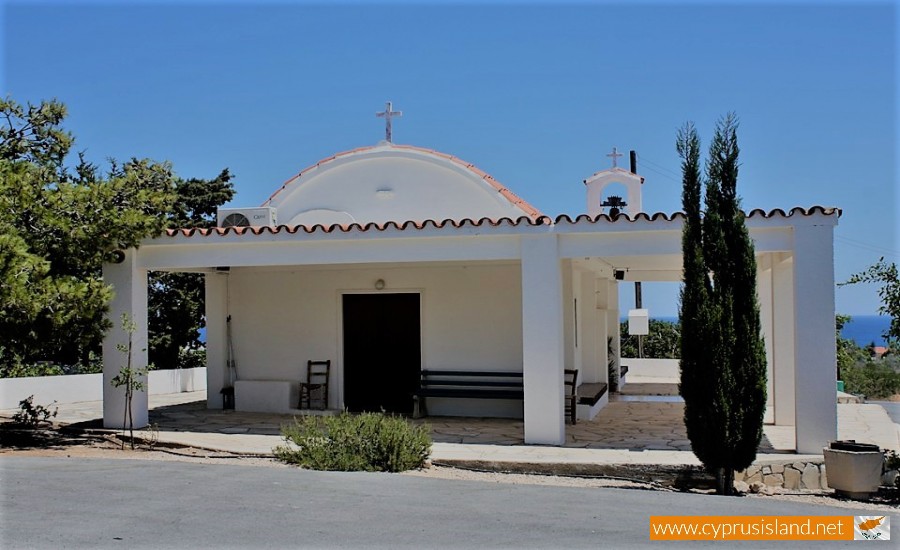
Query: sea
[
  {"x": 865, "y": 329},
  {"x": 862, "y": 329}
]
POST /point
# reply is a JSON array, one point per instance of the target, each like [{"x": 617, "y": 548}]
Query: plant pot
[{"x": 854, "y": 469}]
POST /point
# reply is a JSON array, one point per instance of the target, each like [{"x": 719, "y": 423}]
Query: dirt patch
[{"x": 63, "y": 441}]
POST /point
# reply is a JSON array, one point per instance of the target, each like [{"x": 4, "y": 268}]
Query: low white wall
[
  {"x": 177, "y": 380},
  {"x": 76, "y": 388},
  {"x": 652, "y": 368},
  {"x": 46, "y": 389}
]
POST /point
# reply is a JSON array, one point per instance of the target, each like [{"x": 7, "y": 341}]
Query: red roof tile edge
[
  {"x": 514, "y": 199},
  {"x": 523, "y": 220}
]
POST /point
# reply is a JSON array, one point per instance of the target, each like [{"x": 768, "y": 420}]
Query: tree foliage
[
  {"x": 59, "y": 224},
  {"x": 874, "y": 378},
  {"x": 885, "y": 275},
  {"x": 57, "y": 227},
  {"x": 863, "y": 372},
  {"x": 32, "y": 133},
  {"x": 723, "y": 366},
  {"x": 176, "y": 301},
  {"x": 662, "y": 342}
]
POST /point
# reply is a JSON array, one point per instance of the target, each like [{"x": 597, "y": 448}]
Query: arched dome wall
[{"x": 393, "y": 183}]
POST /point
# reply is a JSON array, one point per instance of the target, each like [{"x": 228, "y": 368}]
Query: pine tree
[
  {"x": 58, "y": 225},
  {"x": 176, "y": 301},
  {"x": 723, "y": 365}
]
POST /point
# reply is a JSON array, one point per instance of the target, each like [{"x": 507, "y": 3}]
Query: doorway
[{"x": 382, "y": 351}]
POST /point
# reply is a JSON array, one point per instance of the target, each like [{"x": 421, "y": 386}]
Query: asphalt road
[{"x": 96, "y": 503}]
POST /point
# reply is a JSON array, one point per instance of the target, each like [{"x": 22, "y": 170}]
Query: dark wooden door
[{"x": 382, "y": 351}]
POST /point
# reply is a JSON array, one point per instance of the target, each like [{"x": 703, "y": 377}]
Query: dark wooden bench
[
  {"x": 589, "y": 394},
  {"x": 466, "y": 384}
]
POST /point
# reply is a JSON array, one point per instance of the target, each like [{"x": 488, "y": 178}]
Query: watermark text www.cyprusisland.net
[{"x": 770, "y": 527}]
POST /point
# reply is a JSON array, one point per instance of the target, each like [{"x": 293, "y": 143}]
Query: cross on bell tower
[
  {"x": 387, "y": 114},
  {"x": 615, "y": 154},
  {"x": 630, "y": 204}
]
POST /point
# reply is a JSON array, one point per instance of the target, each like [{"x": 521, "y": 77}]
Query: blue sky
[{"x": 535, "y": 94}]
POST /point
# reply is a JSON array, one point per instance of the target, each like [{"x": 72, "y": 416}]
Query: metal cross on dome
[
  {"x": 387, "y": 114},
  {"x": 615, "y": 154}
]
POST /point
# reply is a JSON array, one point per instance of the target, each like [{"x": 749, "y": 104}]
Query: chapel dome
[{"x": 389, "y": 182}]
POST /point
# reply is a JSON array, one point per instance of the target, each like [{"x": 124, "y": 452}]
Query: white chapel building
[{"x": 392, "y": 259}]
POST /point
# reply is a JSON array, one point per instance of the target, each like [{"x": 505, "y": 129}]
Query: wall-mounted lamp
[
  {"x": 619, "y": 274},
  {"x": 379, "y": 284}
]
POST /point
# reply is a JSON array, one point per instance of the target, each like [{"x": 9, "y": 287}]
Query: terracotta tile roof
[
  {"x": 827, "y": 211},
  {"x": 483, "y": 222},
  {"x": 514, "y": 199}
]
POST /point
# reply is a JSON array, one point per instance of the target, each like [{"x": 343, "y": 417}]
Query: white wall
[
  {"x": 652, "y": 368},
  {"x": 177, "y": 380},
  {"x": 76, "y": 388},
  {"x": 471, "y": 319},
  {"x": 390, "y": 183}
]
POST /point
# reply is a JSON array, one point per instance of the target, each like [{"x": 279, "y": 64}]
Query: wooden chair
[
  {"x": 571, "y": 397},
  {"x": 317, "y": 375}
]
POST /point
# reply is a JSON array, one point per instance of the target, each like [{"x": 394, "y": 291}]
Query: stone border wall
[{"x": 791, "y": 475}]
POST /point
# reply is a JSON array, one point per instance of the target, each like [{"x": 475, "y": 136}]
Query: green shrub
[
  {"x": 32, "y": 415},
  {"x": 371, "y": 442},
  {"x": 191, "y": 358},
  {"x": 663, "y": 342},
  {"x": 13, "y": 366},
  {"x": 875, "y": 379}
]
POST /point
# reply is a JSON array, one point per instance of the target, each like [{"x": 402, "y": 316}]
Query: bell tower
[{"x": 597, "y": 183}]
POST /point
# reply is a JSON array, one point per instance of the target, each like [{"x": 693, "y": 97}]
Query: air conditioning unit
[{"x": 243, "y": 217}]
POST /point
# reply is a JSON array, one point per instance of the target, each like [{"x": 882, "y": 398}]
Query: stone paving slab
[
  {"x": 868, "y": 423},
  {"x": 625, "y": 432}
]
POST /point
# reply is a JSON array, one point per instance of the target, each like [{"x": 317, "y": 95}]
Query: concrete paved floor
[{"x": 643, "y": 425}]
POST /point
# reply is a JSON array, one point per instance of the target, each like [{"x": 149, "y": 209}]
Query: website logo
[{"x": 872, "y": 528}]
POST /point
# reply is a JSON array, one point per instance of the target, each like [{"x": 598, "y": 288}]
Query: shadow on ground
[
  {"x": 630, "y": 422},
  {"x": 18, "y": 437}
]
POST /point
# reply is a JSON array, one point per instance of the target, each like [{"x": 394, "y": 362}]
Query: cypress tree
[
  {"x": 696, "y": 364},
  {"x": 723, "y": 365}
]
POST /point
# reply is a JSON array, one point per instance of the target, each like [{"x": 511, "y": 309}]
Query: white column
[
  {"x": 216, "y": 337},
  {"x": 612, "y": 322},
  {"x": 764, "y": 294},
  {"x": 814, "y": 352},
  {"x": 604, "y": 329},
  {"x": 542, "y": 340},
  {"x": 130, "y": 297},
  {"x": 591, "y": 339},
  {"x": 783, "y": 372},
  {"x": 569, "y": 328}
]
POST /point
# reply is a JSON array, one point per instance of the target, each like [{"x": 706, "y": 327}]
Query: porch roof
[
  {"x": 562, "y": 223},
  {"x": 648, "y": 245}
]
